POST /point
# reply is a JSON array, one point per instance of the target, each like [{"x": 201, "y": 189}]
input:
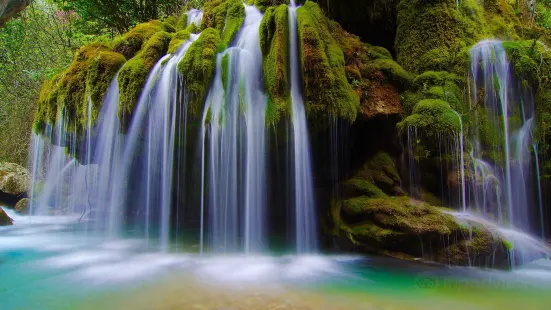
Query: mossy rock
[
  {"x": 427, "y": 25},
  {"x": 263, "y": 5},
  {"x": 132, "y": 42},
  {"x": 391, "y": 70},
  {"x": 14, "y": 179},
  {"x": 22, "y": 206},
  {"x": 326, "y": 88},
  {"x": 180, "y": 38},
  {"x": 133, "y": 75},
  {"x": 388, "y": 225},
  {"x": 5, "y": 220},
  {"x": 226, "y": 16},
  {"x": 376, "y": 178},
  {"x": 87, "y": 78},
  {"x": 198, "y": 67},
  {"x": 433, "y": 118},
  {"x": 274, "y": 44}
]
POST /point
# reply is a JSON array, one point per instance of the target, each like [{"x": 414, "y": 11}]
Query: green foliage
[
  {"x": 198, "y": 67},
  {"x": 120, "y": 15},
  {"x": 274, "y": 43},
  {"x": 135, "y": 72},
  {"x": 36, "y": 45},
  {"x": 327, "y": 90}
]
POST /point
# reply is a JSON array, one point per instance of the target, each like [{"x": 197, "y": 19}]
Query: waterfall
[
  {"x": 305, "y": 214},
  {"x": 194, "y": 16},
  {"x": 233, "y": 146},
  {"x": 504, "y": 166}
]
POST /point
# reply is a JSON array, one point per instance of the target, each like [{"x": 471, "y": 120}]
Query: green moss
[
  {"x": 393, "y": 71},
  {"x": 198, "y": 67},
  {"x": 132, "y": 42},
  {"x": 179, "y": 38},
  {"x": 88, "y": 77},
  {"x": 225, "y": 69},
  {"x": 401, "y": 214},
  {"x": 226, "y": 16},
  {"x": 182, "y": 22},
  {"x": 327, "y": 91},
  {"x": 433, "y": 117},
  {"x": 426, "y": 25},
  {"x": 134, "y": 74},
  {"x": 274, "y": 43},
  {"x": 263, "y": 5}
]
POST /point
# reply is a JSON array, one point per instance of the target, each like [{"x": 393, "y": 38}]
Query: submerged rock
[
  {"x": 14, "y": 179},
  {"x": 5, "y": 220},
  {"x": 22, "y": 206}
]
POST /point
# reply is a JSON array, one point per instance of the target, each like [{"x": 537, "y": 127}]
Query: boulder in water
[
  {"x": 22, "y": 206},
  {"x": 14, "y": 179},
  {"x": 5, "y": 220}
]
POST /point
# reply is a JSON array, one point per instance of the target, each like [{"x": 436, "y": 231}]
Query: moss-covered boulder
[
  {"x": 133, "y": 75},
  {"x": 433, "y": 118},
  {"x": 132, "y": 42},
  {"x": 14, "y": 179},
  {"x": 377, "y": 178},
  {"x": 274, "y": 44},
  {"x": 181, "y": 37},
  {"x": 406, "y": 228},
  {"x": 263, "y": 5},
  {"x": 326, "y": 88},
  {"x": 198, "y": 67},
  {"x": 5, "y": 220},
  {"x": 87, "y": 78},
  {"x": 226, "y": 16},
  {"x": 22, "y": 206}
]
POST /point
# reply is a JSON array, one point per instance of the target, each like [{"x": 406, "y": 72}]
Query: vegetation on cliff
[{"x": 198, "y": 67}]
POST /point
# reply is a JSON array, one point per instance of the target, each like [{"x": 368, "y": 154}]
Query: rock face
[
  {"x": 5, "y": 220},
  {"x": 8, "y": 8},
  {"x": 14, "y": 179},
  {"x": 22, "y": 206}
]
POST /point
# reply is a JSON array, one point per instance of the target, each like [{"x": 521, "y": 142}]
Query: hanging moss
[
  {"x": 225, "y": 69},
  {"x": 326, "y": 88},
  {"x": 263, "y": 5},
  {"x": 226, "y": 16},
  {"x": 132, "y": 42},
  {"x": 89, "y": 75},
  {"x": 198, "y": 67},
  {"x": 134, "y": 74},
  {"x": 101, "y": 72},
  {"x": 274, "y": 43},
  {"x": 427, "y": 25},
  {"x": 182, "y": 22}
]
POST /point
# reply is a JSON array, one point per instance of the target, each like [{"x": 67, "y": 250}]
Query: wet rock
[
  {"x": 5, "y": 220},
  {"x": 22, "y": 206}
]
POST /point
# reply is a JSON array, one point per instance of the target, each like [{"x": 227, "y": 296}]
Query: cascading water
[
  {"x": 234, "y": 146},
  {"x": 124, "y": 182},
  {"x": 305, "y": 214},
  {"x": 194, "y": 16},
  {"x": 504, "y": 178}
]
